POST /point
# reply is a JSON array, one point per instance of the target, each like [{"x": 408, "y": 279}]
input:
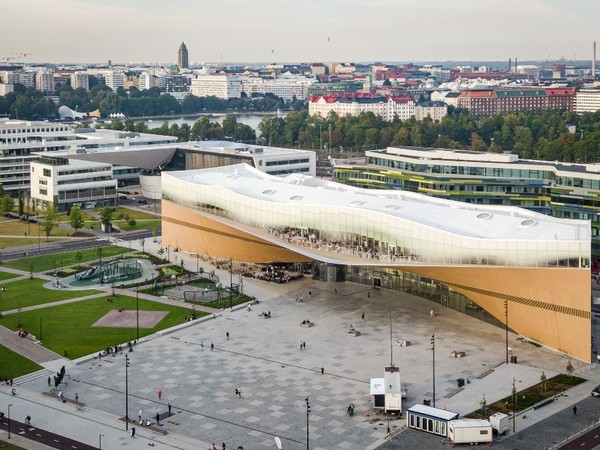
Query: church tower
[{"x": 182, "y": 57}]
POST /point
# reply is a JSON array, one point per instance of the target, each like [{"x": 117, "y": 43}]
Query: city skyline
[{"x": 151, "y": 31}]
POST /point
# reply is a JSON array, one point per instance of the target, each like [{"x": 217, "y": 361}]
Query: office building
[
  {"x": 587, "y": 100},
  {"x": 19, "y": 140},
  {"x": 220, "y": 86},
  {"x": 64, "y": 182},
  {"x": 463, "y": 256},
  {"x": 561, "y": 190}
]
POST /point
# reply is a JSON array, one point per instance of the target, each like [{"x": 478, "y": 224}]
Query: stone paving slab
[{"x": 263, "y": 358}]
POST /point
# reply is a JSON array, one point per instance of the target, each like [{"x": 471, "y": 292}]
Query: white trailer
[
  {"x": 469, "y": 431},
  {"x": 500, "y": 423}
]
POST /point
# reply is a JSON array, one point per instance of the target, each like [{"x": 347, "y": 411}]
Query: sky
[{"x": 130, "y": 31}]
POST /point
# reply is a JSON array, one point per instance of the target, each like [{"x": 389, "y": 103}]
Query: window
[
  {"x": 43, "y": 191},
  {"x": 47, "y": 173}
]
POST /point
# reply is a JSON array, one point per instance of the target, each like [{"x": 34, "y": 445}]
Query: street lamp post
[
  {"x": 41, "y": 329},
  {"x": 126, "y": 393},
  {"x": 433, "y": 361},
  {"x": 307, "y": 424},
  {"x": 100, "y": 441},
  {"x": 230, "y": 283},
  {"x": 137, "y": 312},
  {"x": 514, "y": 400},
  {"x": 10, "y": 404},
  {"x": 506, "y": 326}
]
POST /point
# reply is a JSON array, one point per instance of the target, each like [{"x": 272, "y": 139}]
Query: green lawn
[
  {"x": 7, "y": 276},
  {"x": 140, "y": 224},
  {"x": 48, "y": 262},
  {"x": 133, "y": 214},
  {"x": 69, "y": 326},
  {"x": 14, "y": 365},
  {"x": 28, "y": 292}
]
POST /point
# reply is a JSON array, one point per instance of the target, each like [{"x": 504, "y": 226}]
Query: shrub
[{"x": 131, "y": 222}]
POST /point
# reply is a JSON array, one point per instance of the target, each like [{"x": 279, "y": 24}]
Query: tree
[
  {"x": 76, "y": 218},
  {"x": 49, "y": 220},
  {"x": 21, "y": 201},
  {"x": 570, "y": 369},
  {"x": 7, "y": 204},
  {"x": 483, "y": 404},
  {"x": 543, "y": 379},
  {"x": 106, "y": 217},
  {"x": 477, "y": 144}
]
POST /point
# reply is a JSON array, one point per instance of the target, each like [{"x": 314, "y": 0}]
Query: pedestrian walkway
[{"x": 262, "y": 357}]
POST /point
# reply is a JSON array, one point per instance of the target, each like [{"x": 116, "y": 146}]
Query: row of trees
[
  {"x": 28, "y": 103},
  {"x": 546, "y": 135},
  {"x": 203, "y": 129}
]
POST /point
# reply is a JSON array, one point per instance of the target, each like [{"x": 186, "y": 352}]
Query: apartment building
[
  {"x": 587, "y": 100},
  {"x": 220, "y": 86}
]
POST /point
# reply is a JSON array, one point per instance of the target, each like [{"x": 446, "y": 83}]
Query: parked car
[
  {"x": 143, "y": 201},
  {"x": 596, "y": 391}
]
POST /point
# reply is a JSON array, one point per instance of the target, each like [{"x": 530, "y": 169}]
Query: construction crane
[{"x": 14, "y": 56}]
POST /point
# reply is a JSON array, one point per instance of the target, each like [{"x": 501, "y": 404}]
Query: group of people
[
  {"x": 266, "y": 315},
  {"x": 238, "y": 392}
]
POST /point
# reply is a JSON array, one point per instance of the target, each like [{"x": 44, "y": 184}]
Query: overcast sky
[{"x": 127, "y": 31}]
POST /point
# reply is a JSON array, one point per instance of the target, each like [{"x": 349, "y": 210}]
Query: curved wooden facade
[{"x": 550, "y": 305}]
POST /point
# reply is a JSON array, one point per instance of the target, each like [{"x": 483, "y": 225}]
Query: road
[{"x": 46, "y": 248}]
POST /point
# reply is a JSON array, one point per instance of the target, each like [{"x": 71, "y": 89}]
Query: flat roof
[
  {"x": 479, "y": 221},
  {"x": 229, "y": 147},
  {"x": 435, "y": 412}
]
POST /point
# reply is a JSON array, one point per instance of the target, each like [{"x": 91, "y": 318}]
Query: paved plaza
[{"x": 263, "y": 358}]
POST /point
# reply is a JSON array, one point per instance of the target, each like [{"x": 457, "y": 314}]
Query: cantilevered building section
[{"x": 538, "y": 264}]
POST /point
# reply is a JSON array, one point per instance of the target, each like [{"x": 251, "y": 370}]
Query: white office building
[
  {"x": 220, "y": 86},
  {"x": 64, "y": 182},
  {"x": 20, "y": 139},
  {"x": 285, "y": 88},
  {"x": 587, "y": 100}
]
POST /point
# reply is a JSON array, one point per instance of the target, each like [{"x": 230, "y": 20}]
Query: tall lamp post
[
  {"x": 137, "y": 312},
  {"x": 514, "y": 400},
  {"x": 126, "y": 393},
  {"x": 506, "y": 326},
  {"x": 100, "y": 441},
  {"x": 230, "y": 283},
  {"x": 433, "y": 360},
  {"x": 307, "y": 424},
  {"x": 9, "y": 405}
]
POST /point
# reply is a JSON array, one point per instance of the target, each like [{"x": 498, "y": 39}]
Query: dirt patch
[{"x": 127, "y": 319}]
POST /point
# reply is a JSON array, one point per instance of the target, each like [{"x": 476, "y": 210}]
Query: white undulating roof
[{"x": 481, "y": 221}]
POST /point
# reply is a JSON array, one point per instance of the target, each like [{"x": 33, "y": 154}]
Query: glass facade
[{"x": 357, "y": 233}]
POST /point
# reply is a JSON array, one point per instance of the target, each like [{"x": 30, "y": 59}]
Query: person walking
[
  {"x": 227, "y": 334},
  {"x": 140, "y": 415},
  {"x": 28, "y": 420},
  {"x": 76, "y": 397},
  {"x": 159, "y": 394},
  {"x": 575, "y": 410},
  {"x": 362, "y": 316},
  {"x": 48, "y": 381},
  {"x": 304, "y": 345},
  {"x": 157, "y": 419},
  {"x": 133, "y": 432},
  {"x": 169, "y": 406},
  {"x": 431, "y": 313},
  {"x": 212, "y": 346},
  {"x": 301, "y": 345},
  {"x": 223, "y": 445},
  {"x": 322, "y": 370}
]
